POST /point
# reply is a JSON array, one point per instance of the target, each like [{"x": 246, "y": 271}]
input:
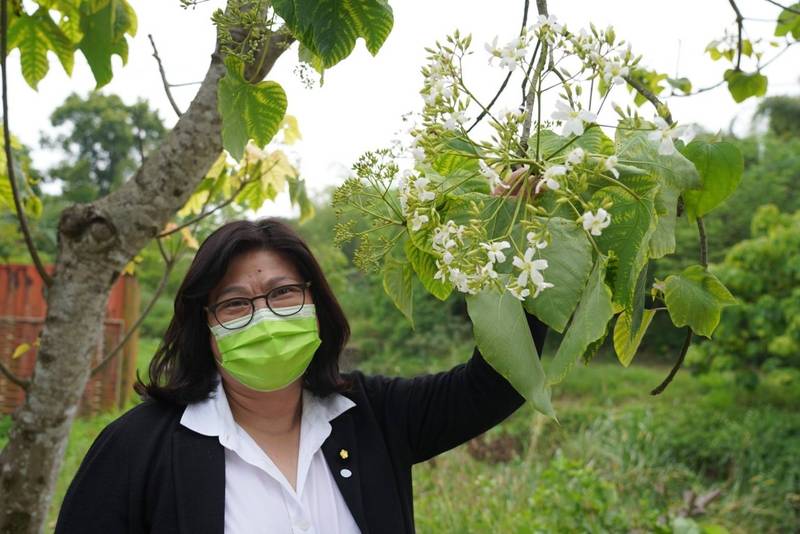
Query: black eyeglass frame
[{"x": 213, "y": 308}]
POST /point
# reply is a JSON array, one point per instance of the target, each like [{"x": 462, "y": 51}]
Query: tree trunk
[{"x": 96, "y": 241}]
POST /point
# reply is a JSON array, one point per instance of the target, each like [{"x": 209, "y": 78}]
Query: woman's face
[{"x": 249, "y": 274}]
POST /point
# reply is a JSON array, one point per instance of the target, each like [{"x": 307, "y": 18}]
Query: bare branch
[
  {"x": 678, "y": 363},
  {"x": 785, "y": 8},
  {"x": 508, "y": 76},
  {"x": 23, "y": 219},
  {"x": 739, "y": 25},
  {"x": 21, "y": 382},
  {"x": 167, "y": 86},
  {"x": 661, "y": 108},
  {"x": 169, "y": 265}
]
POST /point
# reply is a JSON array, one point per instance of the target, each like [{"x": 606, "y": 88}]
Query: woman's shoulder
[{"x": 148, "y": 421}]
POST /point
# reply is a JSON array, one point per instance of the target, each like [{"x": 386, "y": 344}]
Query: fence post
[{"x": 130, "y": 313}]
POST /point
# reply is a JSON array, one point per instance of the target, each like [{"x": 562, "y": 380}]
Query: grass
[{"x": 619, "y": 461}]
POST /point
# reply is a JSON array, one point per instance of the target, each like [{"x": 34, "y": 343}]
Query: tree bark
[{"x": 96, "y": 241}]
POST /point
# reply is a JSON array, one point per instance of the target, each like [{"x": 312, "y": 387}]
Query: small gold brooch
[{"x": 343, "y": 454}]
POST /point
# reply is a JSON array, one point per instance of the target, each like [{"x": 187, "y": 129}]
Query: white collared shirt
[{"x": 258, "y": 498}]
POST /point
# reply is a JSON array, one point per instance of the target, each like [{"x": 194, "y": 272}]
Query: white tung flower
[
  {"x": 534, "y": 242},
  {"x": 459, "y": 280},
  {"x": 611, "y": 165},
  {"x": 665, "y": 134},
  {"x": 576, "y": 157},
  {"x": 487, "y": 271},
  {"x": 573, "y": 119},
  {"x": 547, "y": 27},
  {"x": 418, "y": 221},
  {"x": 530, "y": 269},
  {"x": 494, "y": 251},
  {"x": 549, "y": 178},
  {"x": 454, "y": 120},
  {"x": 595, "y": 223},
  {"x": 418, "y": 154},
  {"x": 510, "y": 55},
  {"x": 487, "y": 171},
  {"x": 517, "y": 291},
  {"x": 421, "y": 184},
  {"x": 614, "y": 72}
]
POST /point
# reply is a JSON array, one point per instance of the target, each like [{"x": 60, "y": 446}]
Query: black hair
[{"x": 183, "y": 369}]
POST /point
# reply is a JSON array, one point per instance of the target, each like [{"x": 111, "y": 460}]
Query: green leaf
[
  {"x": 681, "y": 84},
  {"x": 627, "y": 341},
  {"x": 104, "y": 26},
  {"x": 35, "y": 35},
  {"x": 695, "y": 298},
  {"x": 504, "y": 339},
  {"x": 457, "y": 163},
  {"x": 329, "y": 28},
  {"x": 249, "y": 111},
  {"x": 789, "y": 22},
  {"x": 569, "y": 261},
  {"x": 742, "y": 85},
  {"x": 721, "y": 166},
  {"x": 398, "y": 278},
  {"x": 299, "y": 197},
  {"x": 674, "y": 174},
  {"x": 424, "y": 265},
  {"x": 588, "y": 324},
  {"x": 554, "y": 146},
  {"x": 633, "y": 222}
]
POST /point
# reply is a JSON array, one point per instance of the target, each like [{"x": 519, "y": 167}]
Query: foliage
[
  {"x": 764, "y": 332},
  {"x": 577, "y": 199},
  {"x": 98, "y": 29},
  {"x": 104, "y": 142},
  {"x": 783, "y": 113}
]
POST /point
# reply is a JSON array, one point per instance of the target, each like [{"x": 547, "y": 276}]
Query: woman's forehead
[{"x": 258, "y": 267}]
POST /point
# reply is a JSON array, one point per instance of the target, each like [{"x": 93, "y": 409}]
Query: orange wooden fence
[{"x": 22, "y": 312}]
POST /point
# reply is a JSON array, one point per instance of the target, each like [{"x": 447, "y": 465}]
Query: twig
[
  {"x": 203, "y": 214},
  {"x": 167, "y": 86},
  {"x": 23, "y": 219},
  {"x": 508, "y": 76},
  {"x": 739, "y": 25},
  {"x": 678, "y": 363},
  {"x": 661, "y": 108},
  {"x": 530, "y": 97},
  {"x": 169, "y": 264},
  {"x": 701, "y": 229},
  {"x": 785, "y": 8},
  {"x": 185, "y": 84},
  {"x": 21, "y": 382}
]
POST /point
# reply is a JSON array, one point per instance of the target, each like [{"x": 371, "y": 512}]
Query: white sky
[{"x": 360, "y": 105}]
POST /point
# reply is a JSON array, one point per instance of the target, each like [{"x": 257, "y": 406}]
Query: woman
[{"x": 248, "y": 426}]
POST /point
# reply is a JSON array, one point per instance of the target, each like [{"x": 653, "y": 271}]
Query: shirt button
[{"x": 303, "y": 524}]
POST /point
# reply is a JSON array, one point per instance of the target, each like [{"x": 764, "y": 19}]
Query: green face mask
[{"x": 272, "y": 351}]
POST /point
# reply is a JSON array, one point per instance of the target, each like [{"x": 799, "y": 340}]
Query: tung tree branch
[
  {"x": 785, "y": 8},
  {"x": 23, "y": 219},
  {"x": 167, "y": 86},
  {"x": 739, "y": 27},
  {"x": 13, "y": 378}
]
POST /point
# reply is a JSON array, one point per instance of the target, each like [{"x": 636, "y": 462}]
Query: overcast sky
[{"x": 360, "y": 105}]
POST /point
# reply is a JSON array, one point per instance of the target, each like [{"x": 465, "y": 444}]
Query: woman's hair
[{"x": 183, "y": 369}]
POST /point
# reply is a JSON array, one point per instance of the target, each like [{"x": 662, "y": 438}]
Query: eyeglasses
[{"x": 282, "y": 300}]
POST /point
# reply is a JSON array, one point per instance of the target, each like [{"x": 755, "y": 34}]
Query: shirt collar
[{"x": 213, "y": 417}]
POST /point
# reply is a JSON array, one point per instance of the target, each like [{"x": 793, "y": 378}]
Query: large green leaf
[
  {"x": 35, "y": 35},
  {"x": 398, "y": 278},
  {"x": 633, "y": 222},
  {"x": 789, "y": 22},
  {"x": 554, "y": 146},
  {"x": 626, "y": 339},
  {"x": 674, "y": 175},
  {"x": 329, "y": 28},
  {"x": 424, "y": 265},
  {"x": 588, "y": 324},
  {"x": 249, "y": 111},
  {"x": 743, "y": 85},
  {"x": 695, "y": 298},
  {"x": 104, "y": 26},
  {"x": 457, "y": 164},
  {"x": 504, "y": 339},
  {"x": 720, "y": 165},
  {"x": 569, "y": 259}
]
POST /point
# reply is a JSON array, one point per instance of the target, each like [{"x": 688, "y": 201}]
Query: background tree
[{"x": 104, "y": 143}]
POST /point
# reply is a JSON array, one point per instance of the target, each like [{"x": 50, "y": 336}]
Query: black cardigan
[{"x": 147, "y": 473}]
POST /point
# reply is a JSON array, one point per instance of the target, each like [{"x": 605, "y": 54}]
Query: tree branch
[
  {"x": 739, "y": 25},
  {"x": 23, "y": 219},
  {"x": 21, "y": 382},
  {"x": 678, "y": 363},
  {"x": 508, "y": 76},
  {"x": 167, "y": 86},
  {"x": 661, "y": 108},
  {"x": 785, "y": 8}
]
